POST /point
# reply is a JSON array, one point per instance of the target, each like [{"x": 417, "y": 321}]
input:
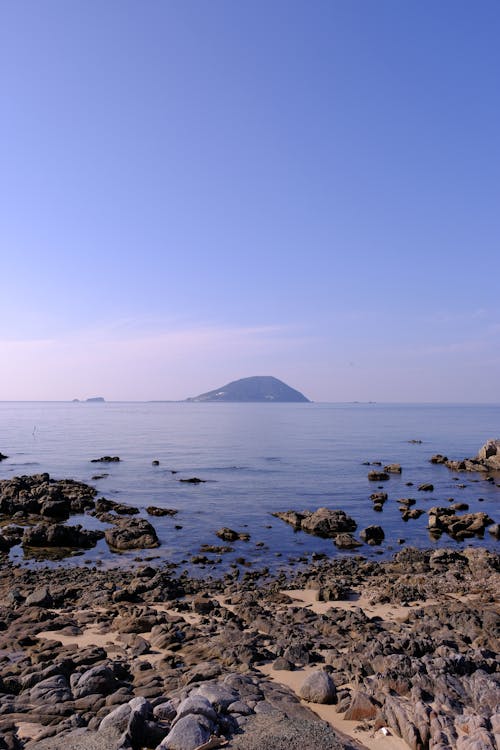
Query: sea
[{"x": 255, "y": 459}]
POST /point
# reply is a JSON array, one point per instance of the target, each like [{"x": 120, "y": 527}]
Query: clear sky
[{"x": 193, "y": 192}]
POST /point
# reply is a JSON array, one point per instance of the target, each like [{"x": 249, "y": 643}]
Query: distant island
[
  {"x": 258, "y": 389},
  {"x": 93, "y": 400}
]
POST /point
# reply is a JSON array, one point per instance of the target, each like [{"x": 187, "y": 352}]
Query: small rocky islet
[{"x": 150, "y": 657}]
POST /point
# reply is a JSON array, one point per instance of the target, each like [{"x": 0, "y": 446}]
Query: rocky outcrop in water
[
  {"x": 133, "y": 533},
  {"x": 487, "y": 459},
  {"x": 321, "y": 522},
  {"x": 40, "y": 506}
]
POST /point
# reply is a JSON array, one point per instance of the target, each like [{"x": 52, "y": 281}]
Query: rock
[
  {"x": 153, "y": 510},
  {"x": 219, "y": 696},
  {"x": 2, "y": 456},
  {"x": 133, "y": 533},
  {"x": 105, "y": 460},
  {"x": 216, "y": 549},
  {"x": 318, "y": 687},
  {"x": 155, "y": 462},
  {"x": 60, "y": 536},
  {"x": 229, "y": 535},
  {"x": 444, "y": 520},
  {"x": 489, "y": 454},
  {"x": 99, "y": 679},
  {"x": 379, "y": 497},
  {"x": 5, "y": 544},
  {"x": 378, "y": 476},
  {"x": 283, "y": 664},
  {"x": 494, "y": 530},
  {"x": 372, "y": 535},
  {"x": 426, "y": 487},
  {"x": 51, "y": 691},
  {"x": 165, "y": 711},
  {"x": 189, "y": 733},
  {"x": 346, "y": 541},
  {"x": 290, "y": 516},
  {"x": 118, "y": 718},
  {"x": 322, "y": 522},
  {"x": 40, "y": 598},
  {"x": 327, "y": 523},
  {"x": 202, "y": 605},
  {"x": 103, "y": 505},
  {"x": 362, "y": 706},
  {"x": 39, "y": 494},
  {"x": 193, "y": 480},
  {"x": 439, "y": 459},
  {"x": 393, "y": 468}
]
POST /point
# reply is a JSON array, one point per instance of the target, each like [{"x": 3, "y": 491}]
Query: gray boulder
[
  {"x": 52, "y": 691},
  {"x": 99, "y": 679},
  {"x": 195, "y": 705},
  {"x": 188, "y": 733},
  {"x": 318, "y": 687},
  {"x": 40, "y": 598}
]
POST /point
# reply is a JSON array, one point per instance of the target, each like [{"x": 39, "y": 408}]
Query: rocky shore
[{"x": 346, "y": 653}]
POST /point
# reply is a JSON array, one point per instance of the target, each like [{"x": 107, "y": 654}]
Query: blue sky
[{"x": 193, "y": 192}]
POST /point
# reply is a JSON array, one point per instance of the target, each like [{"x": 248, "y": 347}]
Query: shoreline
[{"x": 79, "y": 643}]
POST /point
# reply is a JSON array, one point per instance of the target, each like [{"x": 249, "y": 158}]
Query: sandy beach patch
[
  {"x": 364, "y": 738},
  {"x": 90, "y": 636},
  {"x": 387, "y": 612}
]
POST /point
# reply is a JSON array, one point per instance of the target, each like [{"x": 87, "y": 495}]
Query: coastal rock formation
[
  {"x": 42, "y": 505},
  {"x": 259, "y": 388},
  {"x": 412, "y": 646},
  {"x": 445, "y": 520},
  {"x": 39, "y": 495},
  {"x": 322, "y": 522},
  {"x": 133, "y": 533},
  {"x": 487, "y": 459},
  {"x": 57, "y": 535}
]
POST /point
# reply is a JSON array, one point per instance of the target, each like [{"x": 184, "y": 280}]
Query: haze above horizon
[{"x": 192, "y": 193}]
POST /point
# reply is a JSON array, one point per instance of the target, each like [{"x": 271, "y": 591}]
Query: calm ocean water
[{"x": 256, "y": 459}]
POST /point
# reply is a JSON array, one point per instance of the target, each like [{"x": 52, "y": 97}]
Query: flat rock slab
[
  {"x": 80, "y": 739},
  {"x": 270, "y": 732}
]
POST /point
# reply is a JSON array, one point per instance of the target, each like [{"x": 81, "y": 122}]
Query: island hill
[{"x": 257, "y": 389}]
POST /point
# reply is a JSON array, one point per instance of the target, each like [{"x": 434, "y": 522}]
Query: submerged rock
[
  {"x": 153, "y": 510},
  {"x": 378, "y": 476}
]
